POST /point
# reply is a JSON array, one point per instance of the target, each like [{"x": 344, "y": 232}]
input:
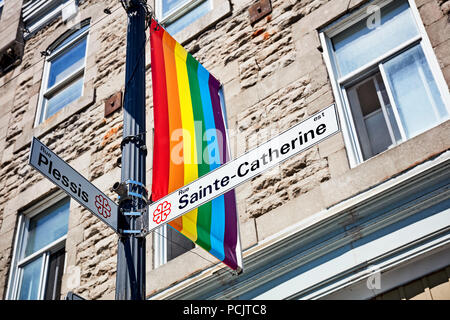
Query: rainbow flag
[{"x": 190, "y": 141}]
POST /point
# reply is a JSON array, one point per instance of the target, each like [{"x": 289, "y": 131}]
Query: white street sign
[
  {"x": 74, "y": 184},
  {"x": 230, "y": 175}
]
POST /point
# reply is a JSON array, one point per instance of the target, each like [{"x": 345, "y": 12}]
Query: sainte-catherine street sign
[
  {"x": 73, "y": 183},
  {"x": 233, "y": 173}
]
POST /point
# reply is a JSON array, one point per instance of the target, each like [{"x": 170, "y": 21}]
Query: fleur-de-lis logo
[
  {"x": 102, "y": 205},
  {"x": 161, "y": 212}
]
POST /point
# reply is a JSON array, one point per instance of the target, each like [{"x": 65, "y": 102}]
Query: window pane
[
  {"x": 54, "y": 276},
  {"x": 377, "y": 131},
  {"x": 415, "y": 92},
  {"x": 359, "y": 44},
  {"x": 67, "y": 63},
  {"x": 368, "y": 99},
  {"x": 64, "y": 97},
  {"x": 177, "y": 244},
  {"x": 47, "y": 227},
  {"x": 189, "y": 17},
  {"x": 169, "y": 5},
  {"x": 370, "y": 122},
  {"x": 29, "y": 285},
  {"x": 71, "y": 37}
]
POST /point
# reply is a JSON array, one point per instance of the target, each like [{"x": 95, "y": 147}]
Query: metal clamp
[
  {"x": 141, "y": 222},
  {"x": 132, "y": 190},
  {"x": 129, "y": 190},
  {"x": 135, "y": 139},
  {"x": 132, "y": 214},
  {"x": 131, "y": 231}
]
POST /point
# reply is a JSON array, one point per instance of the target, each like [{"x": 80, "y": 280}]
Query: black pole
[{"x": 130, "y": 278}]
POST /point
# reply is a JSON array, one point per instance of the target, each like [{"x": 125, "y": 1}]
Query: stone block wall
[
  {"x": 274, "y": 76},
  {"x": 436, "y": 18}
]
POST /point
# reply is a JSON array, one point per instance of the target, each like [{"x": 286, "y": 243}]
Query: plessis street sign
[
  {"x": 228, "y": 176},
  {"x": 74, "y": 184}
]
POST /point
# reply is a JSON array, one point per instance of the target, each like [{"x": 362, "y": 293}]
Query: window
[
  {"x": 39, "y": 13},
  {"x": 38, "y": 261},
  {"x": 2, "y": 2},
  {"x": 62, "y": 82},
  {"x": 169, "y": 244},
  {"x": 175, "y": 15},
  {"x": 386, "y": 76}
]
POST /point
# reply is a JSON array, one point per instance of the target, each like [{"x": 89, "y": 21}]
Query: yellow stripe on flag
[{"x": 189, "y": 145}]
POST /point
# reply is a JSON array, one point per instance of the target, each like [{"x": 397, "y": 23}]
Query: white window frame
[
  {"x": 45, "y": 92},
  {"x": 160, "y": 246},
  {"x": 338, "y": 84},
  {"x": 17, "y": 262}
]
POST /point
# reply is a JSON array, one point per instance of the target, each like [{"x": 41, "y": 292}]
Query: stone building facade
[{"x": 339, "y": 220}]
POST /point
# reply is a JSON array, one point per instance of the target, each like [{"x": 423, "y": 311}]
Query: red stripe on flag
[{"x": 161, "y": 159}]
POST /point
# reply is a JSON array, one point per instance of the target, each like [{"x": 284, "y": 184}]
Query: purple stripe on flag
[
  {"x": 214, "y": 87},
  {"x": 230, "y": 237},
  {"x": 230, "y": 240}
]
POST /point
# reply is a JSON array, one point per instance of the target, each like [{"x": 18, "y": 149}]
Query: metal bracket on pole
[
  {"x": 131, "y": 190},
  {"x": 141, "y": 223},
  {"x": 128, "y": 4}
]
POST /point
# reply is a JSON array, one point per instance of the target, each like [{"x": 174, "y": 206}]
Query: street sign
[
  {"x": 74, "y": 184},
  {"x": 230, "y": 175}
]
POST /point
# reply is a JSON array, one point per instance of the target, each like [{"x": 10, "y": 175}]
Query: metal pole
[{"x": 130, "y": 278}]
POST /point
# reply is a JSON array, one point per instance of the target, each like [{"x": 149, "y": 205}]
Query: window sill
[
  {"x": 415, "y": 141},
  {"x": 40, "y": 130}
]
